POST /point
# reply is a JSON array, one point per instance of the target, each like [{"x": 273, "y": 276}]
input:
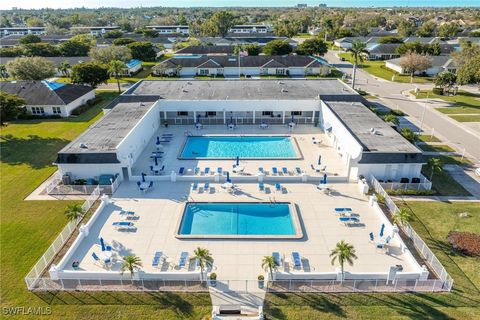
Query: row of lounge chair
[
  {"x": 278, "y": 187},
  {"x": 196, "y": 187},
  {"x": 284, "y": 171},
  {"x": 182, "y": 261},
  {"x": 296, "y": 259}
]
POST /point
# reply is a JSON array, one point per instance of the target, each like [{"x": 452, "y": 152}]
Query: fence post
[
  {"x": 376, "y": 283},
  {"x": 433, "y": 286},
  {"x": 289, "y": 285},
  {"x": 415, "y": 287}
]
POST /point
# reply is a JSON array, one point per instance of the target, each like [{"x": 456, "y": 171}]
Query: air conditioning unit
[{"x": 66, "y": 179}]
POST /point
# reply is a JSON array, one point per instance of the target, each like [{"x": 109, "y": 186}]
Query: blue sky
[{"x": 8, "y": 4}]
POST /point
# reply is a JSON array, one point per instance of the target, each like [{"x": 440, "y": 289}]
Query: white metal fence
[
  {"x": 39, "y": 267},
  {"x": 424, "y": 184},
  {"x": 55, "y": 187},
  {"x": 419, "y": 244}
]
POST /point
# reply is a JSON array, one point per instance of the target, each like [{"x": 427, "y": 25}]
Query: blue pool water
[
  {"x": 237, "y": 219},
  {"x": 253, "y": 147}
]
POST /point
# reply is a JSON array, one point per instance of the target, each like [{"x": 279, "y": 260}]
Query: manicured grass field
[
  {"x": 436, "y": 148},
  {"x": 463, "y": 101},
  {"x": 29, "y": 227},
  {"x": 466, "y": 118},
  {"x": 432, "y": 221},
  {"x": 444, "y": 184},
  {"x": 428, "y": 138},
  {"x": 378, "y": 69}
]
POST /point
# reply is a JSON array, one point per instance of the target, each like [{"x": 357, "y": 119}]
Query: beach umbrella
[
  {"x": 143, "y": 177},
  {"x": 158, "y": 141},
  {"x": 228, "y": 176},
  {"x": 382, "y": 229},
  {"x": 231, "y": 119},
  {"x": 198, "y": 118},
  {"x": 237, "y": 161},
  {"x": 156, "y": 161},
  {"x": 292, "y": 117},
  {"x": 102, "y": 244},
  {"x": 319, "y": 159},
  {"x": 325, "y": 178}
]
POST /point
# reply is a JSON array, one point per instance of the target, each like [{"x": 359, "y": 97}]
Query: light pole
[{"x": 423, "y": 113}]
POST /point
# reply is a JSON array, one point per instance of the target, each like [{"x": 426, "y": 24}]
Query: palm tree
[
  {"x": 74, "y": 211},
  {"x": 203, "y": 257},
  {"x": 178, "y": 69},
  {"x": 434, "y": 164},
  {"x": 64, "y": 68},
  {"x": 327, "y": 26},
  {"x": 358, "y": 52},
  {"x": 3, "y": 71},
  {"x": 268, "y": 264},
  {"x": 116, "y": 68},
  {"x": 343, "y": 252},
  {"x": 391, "y": 118},
  {"x": 402, "y": 216},
  {"x": 131, "y": 263}
]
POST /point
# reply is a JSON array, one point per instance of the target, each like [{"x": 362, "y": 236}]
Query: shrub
[
  {"x": 261, "y": 277},
  {"x": 410, "y": 192},
  {"x": 28, "y": 116},
  {"x": 465, "y": 242},
  {"x": 380, "y": 198},
  {"x": 438, "y": 91},
  {"x": 213, "y": 276},
  {"x": 84, "y": 107},
  {"x": 397, "y": 112}
]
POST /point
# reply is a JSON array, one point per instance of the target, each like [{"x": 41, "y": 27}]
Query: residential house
[
  {"x": 13, "y": 40},
  {"x": 5, "y": 31},
  {"x": 49, "y": 98},
  {"x": 206, "y": 50},
  {"x": 382, "y": 51},
  {"x": 439, "y": 64},
  {"x": 173, "y": 29},
  {"x": 239, "y": 40},
  {"x": 94, "y": 31},
  {"x": 250, "y": 28},
  {"x": 346, "y": 42}
]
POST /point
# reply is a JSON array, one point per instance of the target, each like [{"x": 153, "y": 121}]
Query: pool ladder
[
  {"x": 273, "y": 201},
  {"x": 188, "y": 133}
]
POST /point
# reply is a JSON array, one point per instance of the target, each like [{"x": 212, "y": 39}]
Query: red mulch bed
[{"x": 466, "y": 242}]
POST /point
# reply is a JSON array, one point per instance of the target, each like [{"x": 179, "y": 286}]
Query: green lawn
[
  {"x": 428, "y": 138},
  {"x": 466, "y": 118},
  {"x": 453, "y": 160},
  {"x": 444, "y": 184},
  {"x": 462, "y": 102},
  {"x": 432, "y": 221},
  {"x": 378, "y": 69},
  {"x": 29, "y": 227},
  {"x": 436, "y": 148}
]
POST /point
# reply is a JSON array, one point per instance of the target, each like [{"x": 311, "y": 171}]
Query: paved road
[{"x": 390, "y": 93}]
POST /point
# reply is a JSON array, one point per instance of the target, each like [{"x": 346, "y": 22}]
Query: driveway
[{"x": 466, "y": 177}]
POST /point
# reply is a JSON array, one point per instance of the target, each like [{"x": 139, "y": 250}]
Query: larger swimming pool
[
  {"x": 239, "y": 220},
  {"x": 245, "y": 147}
]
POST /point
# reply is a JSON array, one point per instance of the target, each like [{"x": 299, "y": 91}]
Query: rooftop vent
[
  {"x": 284, "y": 90},
  {"x": 280, "y": 82},
  {"x": 373, "y": 131},
  {"x": 189, "y": 82},
  {"x": 83, "y": 146},
  {"x": 185, "y": 90}
]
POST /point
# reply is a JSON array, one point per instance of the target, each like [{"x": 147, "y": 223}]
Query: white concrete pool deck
[
  {"x": 160, "y": 209},
  {"x": 303, "y": 134}
]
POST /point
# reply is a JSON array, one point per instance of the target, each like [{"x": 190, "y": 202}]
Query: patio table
[
  {"x": 106, "y": 255},
  {"x": 145, "y": 185}
]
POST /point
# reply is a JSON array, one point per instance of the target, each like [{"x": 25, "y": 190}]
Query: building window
[
  {"x": 296, "y": 113},
  {"x": 56, "y": 110},
  {"x": 211, "y": 114},
  {"x": 38, "y": 110},
  {"x": 182, "y": 113},
  {"x": 280, "y": 71},
  {"x": 204, "y": 72},
  {"x": 267, "y": 113}
]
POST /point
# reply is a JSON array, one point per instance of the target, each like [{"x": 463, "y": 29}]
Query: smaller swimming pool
[
  {"x": 239, "y": 220},
  {"x": 245, "y": 147}
]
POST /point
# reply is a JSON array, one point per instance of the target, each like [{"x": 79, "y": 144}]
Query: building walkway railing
[
  {"x": 38, "y": 269},
  {"x": 426, "y": 253}
]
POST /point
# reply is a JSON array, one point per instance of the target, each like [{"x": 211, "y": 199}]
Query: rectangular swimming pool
[
  {"x": 245, "y": 147},
  {"x": 239, "y": 220}
]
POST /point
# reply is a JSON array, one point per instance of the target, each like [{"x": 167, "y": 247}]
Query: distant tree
[
  {"x": 434, "y": 49},
  {"x": 343, "y": 252},
  {"x": 448, "y": 30},
  {"x": 252, "y": 49},
  {"x": 286, "y": 28},
  {"x": 427, "y": 29},
  {"x": 149, "y": 33},
  {"x": 55, "y": 29},
  {"x": 413, "y": 62},
  {"x": 358, "y": 51},
  {"x": 64, "y": 68},
  {"x": 468, "y": 62},
  {"x": 10, "y": 107},
  {"x": 144, "y": 51},
  {"x": 391, "y": 118},
  {"x": 11, "y": 52},
  {"x": 116, "y": 68},
  {"x": 111, "y": 53},
  {"x": 113, "y": 34},
  {"x": 313, "y": 46},
  {"x": 328, "y": 27},
  {"x": 40, "y": 49},
  {"x": 474, "y": 34},
  {"x": 445, "y": 80},
  {"x": 30, "y": 68},
  {"x": 92, "y": 73},
  {"x": 410, "y": 47},
  {"x": 434, "y": 165},
  {"x": 3, "y": 72},
  {"x": 123, "y": 41},
  {"x": 73, "y": 48},
  {"x": 30, "y": 38},
  {"x": 181, "y": 19},
  {"x": 34, "y": 22},
  {"x": 406, "y": 28},
  {"x": 74, "y": 212},
  {"x": 220, "y": 22},
  {"x": 390, "y": 39},
  {"x": 277, "y": 48}
]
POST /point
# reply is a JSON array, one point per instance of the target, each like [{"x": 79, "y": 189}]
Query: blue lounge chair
[
  {"x": 274, "y": 170},
  {"x": 206, "y": 187},
  {"x": 219, "y": 170},
  {"x": 372, "y": 238},
  {"x": 276, "y": 258},
  {"x": 197, "y": 170},
  {"x": 167, "y": 134},
  {"x": 285, "y": 170},
  {"x": 261, "y": 186},
  {"x": 120, "y": 224},
  {"x": 156, "y": 259},
  {"x": 388, "y": 239},
  {"x": 298, "y": 170},
  {"x": 183, "y": 259},
  {"x": 260, "y": 169},
  {"x": 127, "y": 213},
  {"x": 181, "y": 170},
  {"x": 347, "y": 209},
  {"x": 138, "y": 183},
  {"x": 297, "y": 262},
  {"x": 344, "y": 219},
  {"x": 150, "y": 185},
  {"x": 207, "y": 170},
  {"x": 278, "y": 187},
  {"x": 108, "y": 248},
  {"x": 95, "y": 257},
  {"x": 339, "y": 210},
  {"x": 195, "y": 185}
]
